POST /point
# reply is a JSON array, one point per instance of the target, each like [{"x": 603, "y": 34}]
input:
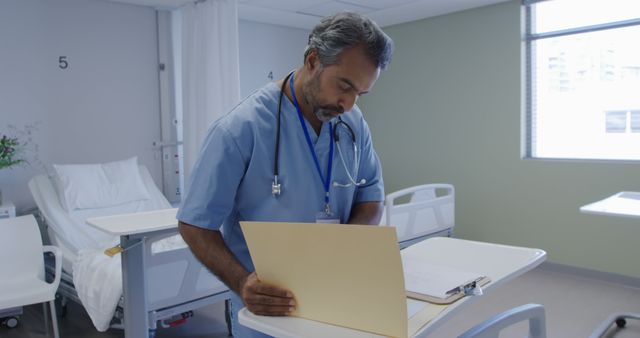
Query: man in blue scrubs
[{"x": 307, "y": 130}]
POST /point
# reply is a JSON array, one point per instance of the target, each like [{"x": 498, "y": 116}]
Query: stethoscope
[{"x": 276, "y": 187}]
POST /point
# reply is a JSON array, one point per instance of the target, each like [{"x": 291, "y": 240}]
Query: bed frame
[
  {"x": 175, "y": 282},
  {"x": 429, "y": 212},
  {"x": 166, "y": 300},
  {"x": 176, "y": 285}
]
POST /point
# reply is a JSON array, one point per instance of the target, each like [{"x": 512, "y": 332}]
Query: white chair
[
  {"x": 22, "y": 266},
  {"x": 428, "y": 212},
  {"x": 534, "y": 313}
]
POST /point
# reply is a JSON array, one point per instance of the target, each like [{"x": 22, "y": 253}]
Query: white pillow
[{"x": 92, "y": 186}]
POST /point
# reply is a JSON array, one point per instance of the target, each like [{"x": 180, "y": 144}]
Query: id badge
[{"x": 327, "y": 217}]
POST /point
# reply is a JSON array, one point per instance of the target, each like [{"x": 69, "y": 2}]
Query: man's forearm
[
  {"x": 209, "y": 247},
  {"x": 366, "y": 213}
]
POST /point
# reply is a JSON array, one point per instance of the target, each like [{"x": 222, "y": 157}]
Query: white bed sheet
[
  {"x": 98, "y": 281},
  {"x": 97, "y": 277}
]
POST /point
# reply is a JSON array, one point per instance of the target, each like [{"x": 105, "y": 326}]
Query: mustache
[{"x": 336, "y": 109}]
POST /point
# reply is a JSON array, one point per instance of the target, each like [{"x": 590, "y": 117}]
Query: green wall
[{"x": 449, "y": 109}]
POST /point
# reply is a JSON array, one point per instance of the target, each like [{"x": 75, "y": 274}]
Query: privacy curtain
[{"x": 209, "y": 75}]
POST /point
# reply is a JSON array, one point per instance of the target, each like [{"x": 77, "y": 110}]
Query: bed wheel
[
  {"x": 621, "y": 322},
  {"x": 10, "y": 322}
]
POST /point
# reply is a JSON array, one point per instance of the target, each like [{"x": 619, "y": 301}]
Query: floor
[{"x": 574, "y": 307}]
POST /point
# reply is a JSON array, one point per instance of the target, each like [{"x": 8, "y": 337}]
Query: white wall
[
  {"x": 103, "y": 107},
  {"x": 268, "y": 48}
]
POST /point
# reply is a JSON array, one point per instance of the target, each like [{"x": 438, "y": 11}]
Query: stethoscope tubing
[{"x": 276, "y": 187}]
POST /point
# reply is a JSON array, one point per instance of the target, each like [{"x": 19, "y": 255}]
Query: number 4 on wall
[{"x": 62, "y": 62}]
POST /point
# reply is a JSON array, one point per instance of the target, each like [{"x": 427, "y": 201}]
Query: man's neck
[{"x": 305, "y": 108}]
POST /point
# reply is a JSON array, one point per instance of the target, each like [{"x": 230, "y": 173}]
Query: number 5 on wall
[{"x": 62, "y": 62}]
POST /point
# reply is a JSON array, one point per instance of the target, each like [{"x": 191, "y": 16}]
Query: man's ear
[{"x": 312, "y": 61}]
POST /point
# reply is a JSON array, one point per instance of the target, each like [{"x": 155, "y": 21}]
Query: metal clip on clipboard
[{"x": 472, "y": 288}]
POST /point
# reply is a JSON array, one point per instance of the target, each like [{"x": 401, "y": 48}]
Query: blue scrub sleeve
[
  {"x": 370, "y": 169},
  {"x": 214, "y": 181}
]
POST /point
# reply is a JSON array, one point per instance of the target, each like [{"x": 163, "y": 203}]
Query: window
[
  {"x": 616, "y": 121},
  {"x": 635, "y": 121},
  {"x": 583, "y": 79}
]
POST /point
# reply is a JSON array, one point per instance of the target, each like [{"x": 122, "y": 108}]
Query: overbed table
[
  {"x": 622, "y": 204},
  {"x": 134, "y": 231},
  {"x": 499, "y": 262}
]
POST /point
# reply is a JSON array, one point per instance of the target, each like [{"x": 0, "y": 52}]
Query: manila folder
[{"x": 345, "y": 275}]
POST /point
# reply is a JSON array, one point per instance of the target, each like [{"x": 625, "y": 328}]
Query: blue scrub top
[{"x": 231, "y": 180}]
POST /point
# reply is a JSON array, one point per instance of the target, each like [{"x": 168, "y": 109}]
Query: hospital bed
[
  {"x": 178, "y": 282},
  {"x": 420, "y": 212}
]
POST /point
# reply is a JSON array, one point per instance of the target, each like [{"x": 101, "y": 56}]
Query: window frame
[{"x": 529, "y": 50}]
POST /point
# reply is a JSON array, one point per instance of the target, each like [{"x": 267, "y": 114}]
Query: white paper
[{"x": 433, "y": 280}]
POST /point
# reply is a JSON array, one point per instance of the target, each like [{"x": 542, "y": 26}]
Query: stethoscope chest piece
[{"x": 276, "y": 187}]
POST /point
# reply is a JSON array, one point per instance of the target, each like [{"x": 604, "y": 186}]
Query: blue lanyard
[{"x": 327, "y": 180}]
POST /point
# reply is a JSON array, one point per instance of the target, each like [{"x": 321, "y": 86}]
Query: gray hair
[{"x": 345, "y": 30}]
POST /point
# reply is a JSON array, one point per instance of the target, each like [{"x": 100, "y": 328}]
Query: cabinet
[{"x": 7, "y": 209}]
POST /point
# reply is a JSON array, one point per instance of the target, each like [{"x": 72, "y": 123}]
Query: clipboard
[
  {"x": 471, "y": 288},
  {"x": 439, "y": 284}
]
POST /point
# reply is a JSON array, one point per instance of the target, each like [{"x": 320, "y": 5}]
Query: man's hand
[
  {"x": 260, "y": 298},
  {"x": 266, "y": 300}
]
